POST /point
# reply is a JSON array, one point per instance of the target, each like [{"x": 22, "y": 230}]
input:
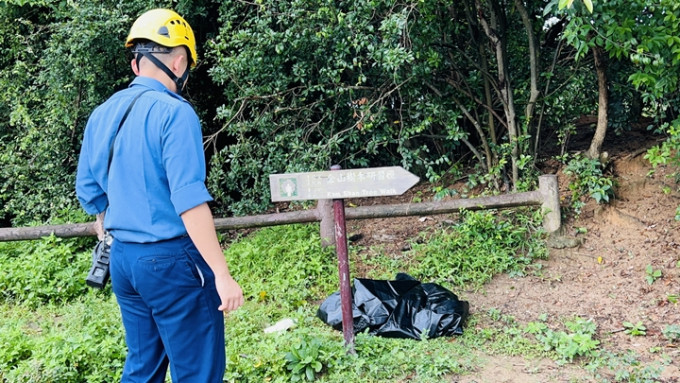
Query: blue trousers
[{"x": 168, "y": 301}]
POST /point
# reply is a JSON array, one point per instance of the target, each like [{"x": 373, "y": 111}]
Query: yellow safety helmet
[{"x": 164, "y": 27}]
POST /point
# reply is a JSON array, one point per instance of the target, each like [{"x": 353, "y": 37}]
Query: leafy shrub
[
  {"x": 65, "y": 58},
  {"x": 310, "y": 84},
  {"x": 587, "y": 179},
  {"x": 59, "y": 60}
]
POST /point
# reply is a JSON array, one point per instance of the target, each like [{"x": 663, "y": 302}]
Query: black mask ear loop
[{"x": 179, "y": 81}]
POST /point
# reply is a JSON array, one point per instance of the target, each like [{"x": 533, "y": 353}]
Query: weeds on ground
[
  {"x": 671, "y": 332},
  {"x": 635, "y": 329},
  {"x": 79, "y": 341},
  {"x": 69, "y": 333},
  {"x": 652, "y": 275},
  {"x": 610, "y": 367},
  {"x": 51, "y": 270},
  {"x": 578, "y": 341},
  {"x": 479, "y": 246}
]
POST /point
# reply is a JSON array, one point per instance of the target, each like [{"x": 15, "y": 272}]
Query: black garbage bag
[
  {"x": 373, "y": 302},
  {"x": 401, "y": 308}
]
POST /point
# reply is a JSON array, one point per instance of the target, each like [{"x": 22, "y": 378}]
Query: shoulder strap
[{"x": 122, "y": 121}]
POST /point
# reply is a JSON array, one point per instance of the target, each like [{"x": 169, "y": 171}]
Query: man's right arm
[{"x": 201, "y": 229}]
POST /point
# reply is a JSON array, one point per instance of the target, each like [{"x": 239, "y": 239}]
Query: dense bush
[
  {"x": 309, "y": 84},
  {"x": 59, "y": 60},
  {"x": 302, "y": 85}
]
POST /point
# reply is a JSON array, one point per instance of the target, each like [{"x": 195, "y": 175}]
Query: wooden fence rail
[{"x": 547, "y": 196}]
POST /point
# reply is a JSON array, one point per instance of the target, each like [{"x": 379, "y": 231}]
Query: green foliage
[
  {"x": 81, "y": 341},
  {"x": 671, "y": 332},
  {"x": 626, "y": 367},
  {"x": 301, "y": 85},
  {"x": 50, "y": 270},
  {"x": 652, "y": 275},
  {"x": 668, "y": 154},
  {"x": 303, "y": 360},
  {"x": 587, "y": 179},
  {"x": 637, "y": 329},
  {"x": 568, "y": 345},
  {"x": 253, "y": 356},
  {"x": 309, "y": 274},
  {"x": 309, "y": 84},
  {"x": 569, "y": 3},
  {"x": 298, "y": 86},
  {"x": 505, "y": 336},
  {"x": 481, "y": 245},
  {"x": 648, "y": 45},
  {"x": 657, "y": 55},
  {"x": 62, "y": 59},
  {"x": 59, "y": 60}
]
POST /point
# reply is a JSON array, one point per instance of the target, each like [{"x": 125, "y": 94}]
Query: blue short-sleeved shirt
[{"x": 158, "y": 166}]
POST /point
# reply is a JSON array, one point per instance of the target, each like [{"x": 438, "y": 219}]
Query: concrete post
[
  {"x": 324, "y": 208},
  {"x": 547, "y": 186}
]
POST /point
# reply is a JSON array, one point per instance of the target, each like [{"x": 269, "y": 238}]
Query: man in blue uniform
[{"x": 146, "y": 178}]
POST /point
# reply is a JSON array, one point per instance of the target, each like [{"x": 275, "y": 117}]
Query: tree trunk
[
  {"x": 539, "y": 124},
  {"x": 533, "y": 63},
  {"x": 475, "y": 33},
  {"x": 503, "y": 82},
  {"x": 602, "y": 106}
]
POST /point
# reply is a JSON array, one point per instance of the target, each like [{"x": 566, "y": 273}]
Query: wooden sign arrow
[{"x": 340, "y": 184}]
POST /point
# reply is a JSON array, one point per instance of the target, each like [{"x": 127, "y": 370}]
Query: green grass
[
  {"x": 81, "y": 341},
  {"x": 55, "y": 330}
]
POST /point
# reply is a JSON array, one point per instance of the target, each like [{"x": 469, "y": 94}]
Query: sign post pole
[
  {"x": 343, "y": 270},
  {"x": 336, "y": 185}
]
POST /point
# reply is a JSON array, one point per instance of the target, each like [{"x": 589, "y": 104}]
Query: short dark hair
[{"x": 147, "y": 46}]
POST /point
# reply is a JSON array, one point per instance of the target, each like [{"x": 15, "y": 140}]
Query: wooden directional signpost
[
  {"x": 337, "y": 185},
  {"x": 340, "y": 184}
]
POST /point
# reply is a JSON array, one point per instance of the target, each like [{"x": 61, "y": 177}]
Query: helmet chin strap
[{"x": 179, "y": 81}]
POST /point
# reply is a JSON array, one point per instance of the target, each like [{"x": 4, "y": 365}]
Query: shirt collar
[{"x": 153, "y": 84}]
